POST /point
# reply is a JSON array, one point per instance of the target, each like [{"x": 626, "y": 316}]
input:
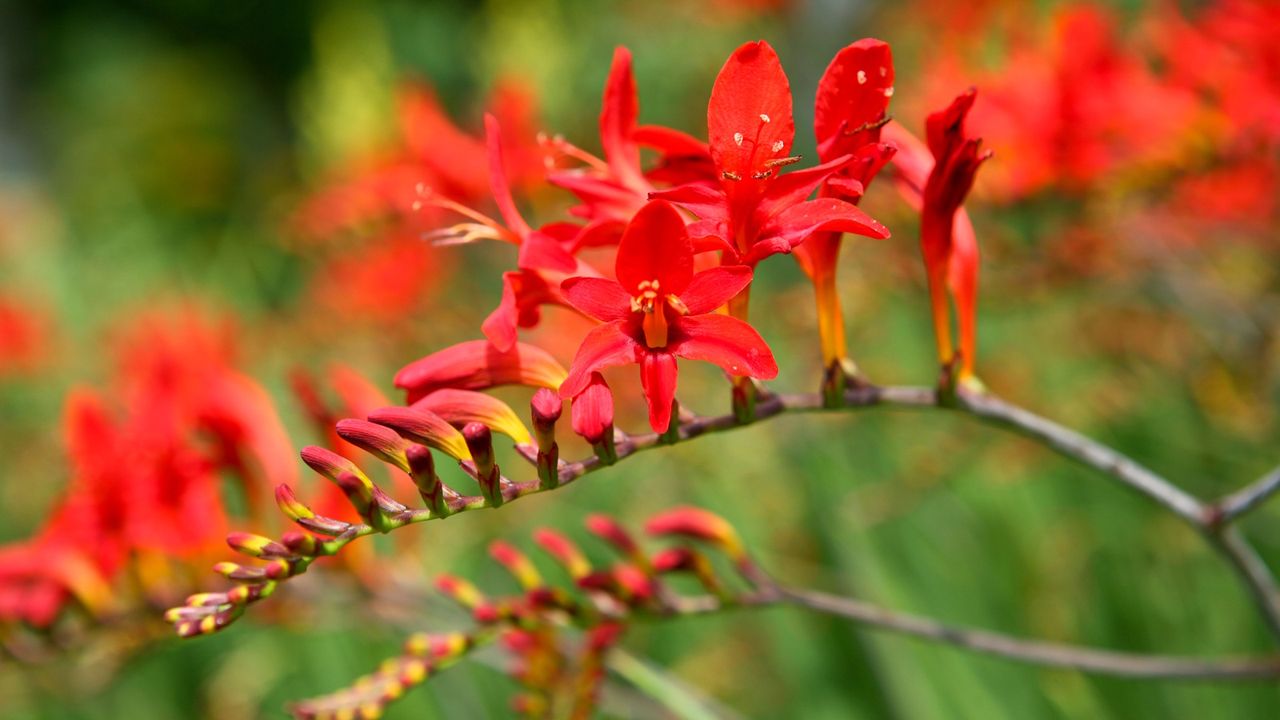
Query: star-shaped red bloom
[
  {"x": 756, "y": 212},
  {"x": 659, "y": 309}
]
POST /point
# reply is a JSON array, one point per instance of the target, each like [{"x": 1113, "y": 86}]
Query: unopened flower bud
[
  {"x": 546, "y": 408},
  {"x": 592, "y": 416},
  {"x": 382, "y": 442},
  {"x": 422, "y": 468},
  {"x": 459, "y": 407},
  {"x": 423, "y": 427},
  {"x": 609, "y": 530},
  {"x": 359, "y": 492},
  {"x": 699, "y": 524},
  {"x": 301, "y": 543},
  {"x": 480, "y": 443},
  {"x": 256, "y": 545},
  {"x": 564, "y": 552},
  {"x": 516, "y": 563},
  {"x": 459, "y": 590}
]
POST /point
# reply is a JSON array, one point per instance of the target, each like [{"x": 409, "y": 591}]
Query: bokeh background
[{"x": 186, "y": 180}]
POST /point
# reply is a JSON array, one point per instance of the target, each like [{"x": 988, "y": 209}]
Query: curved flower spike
[
  {"x": 479, "y": 365},
  {"x": 659, "y": 309}
]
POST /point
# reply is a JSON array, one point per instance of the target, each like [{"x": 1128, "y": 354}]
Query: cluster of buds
[
  {"x": 559, "y": 633},
  {"x": 458, "y": 423}
]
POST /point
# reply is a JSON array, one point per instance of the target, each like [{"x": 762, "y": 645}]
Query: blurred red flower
[{"x": 147, "y": 458}]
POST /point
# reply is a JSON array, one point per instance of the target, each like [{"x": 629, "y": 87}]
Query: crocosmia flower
[
  {"x": 659, "y": 309},
  {"x": 946, "y": 237},
  {"x": 849, "y": 111},
  {"x": 756, "y": 212}
]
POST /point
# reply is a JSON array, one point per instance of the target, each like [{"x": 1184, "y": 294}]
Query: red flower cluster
[
  {"x": 146, "y": 484},
  {"x": 1086, "y": 104},
  {"x": 388, "y": 271},
  {"x": 686, "y": 234}
]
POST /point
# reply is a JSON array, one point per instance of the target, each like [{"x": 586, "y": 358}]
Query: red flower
[
  {"x": 659, "y": 309},
  {"x": 755, "y": 212},
  {"x": 947, "y": 240},
  {"x": 853, "y": 97},
  {"x": 543, "y": 262},
  {"x": 613, "y": 190}
]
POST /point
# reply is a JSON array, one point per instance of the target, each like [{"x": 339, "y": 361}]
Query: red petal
[
  {"x": 712, "y": 236},
  {"x": 962, "y": 279},
  {"x": 853, "y": 178},
  {"x": 498, "y": 179},
  {"x": 712, "y": 288},
  {"x": 522, "y": 295},
  {"x": 500, "y": 326},
  {"x": 600, "y": 233},
  {"x": 792, "y": 226},
  {"x": 851, "y": 97},
  {"x": 670, "y": 141},
  {"x": 912, "y": 164},
  {"x": 602, "y": 196},
  {"x": 604, "y": 300},
  {"x": 658, "y": 376},
  {"x": 944, "y": 130},
  {"x": 794, "y": 187},
  {"x": 706, "y": 202},
  {"x": 728, "y": 342},
  {"x": 749, "y": 117},
  {"x": 604, "y": 347},
  {"x": 540, "y": 251},
  {"x": 655, "y": 246},
  {"x": 618, "y": 121}
]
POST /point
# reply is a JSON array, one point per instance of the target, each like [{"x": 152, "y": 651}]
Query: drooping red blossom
[
  {"x": 659, "y": 309},
  {"x": 850, "y": 109},
  {"x": 948, "y": 242},
  {"x": 755, "y": 212}
]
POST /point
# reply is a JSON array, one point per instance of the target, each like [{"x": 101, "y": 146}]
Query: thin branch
[
  {"x": 1238, "y": 503},
  {"x": 1103, "y": 662},
  {"x": 1092, "y": 453},
  {"x": 1253, "y": 572},
  {"x": 1205, "y": 519}
]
